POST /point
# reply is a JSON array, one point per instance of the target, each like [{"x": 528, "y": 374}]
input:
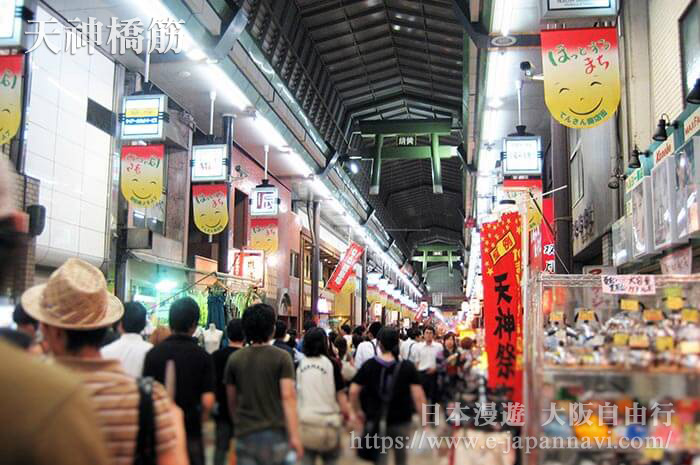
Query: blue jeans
[{"x": 268, "y": 447}]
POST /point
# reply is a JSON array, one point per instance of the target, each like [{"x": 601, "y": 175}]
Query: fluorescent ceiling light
[
  {"x": 506, "y": 16},
  {"x": 269, "y": 132},
  {"x": 224, "y": 85}
]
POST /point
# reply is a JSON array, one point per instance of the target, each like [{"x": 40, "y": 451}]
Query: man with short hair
[
  {"x": 346, "y": 332},
  {"x": 368, "y": 349},
  {"x": 408, "y": 347},
  {"x": 75, "y": 309},
  {"x": 25, "y": 323},
  {"x": 261, "y": 394},
  {"x": 224, "y": 423},
  {"x": 426, "y": 359},
  {"x": 130, "y": 349},
  {"x": 280, "y": 335},
  {"x": 194, "y": 372}
]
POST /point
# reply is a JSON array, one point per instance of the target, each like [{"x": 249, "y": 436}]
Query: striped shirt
[{"x": 115, "y": 396}]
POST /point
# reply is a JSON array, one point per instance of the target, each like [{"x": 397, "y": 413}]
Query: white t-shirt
[
  {"x": 407, "y": 347},
  {"x": 426, "y": 355},
  {"x": 365, "y": 351},
  {"x": 130, "y": 349},
  {"x": 316, "y": 390}
]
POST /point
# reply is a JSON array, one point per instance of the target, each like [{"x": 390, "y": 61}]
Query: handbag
[
  {"x": 320, "y": 436},
  {"x": 145, "y": 453},
  {"x": 378, "y": 426}
]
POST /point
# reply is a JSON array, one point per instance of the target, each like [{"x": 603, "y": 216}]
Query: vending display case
[
  {"x": 686, "y": 182},
  {"x": 622, "y": 251},
  {"x": 663, "y": 203},
  {"x": 639, "y": 211},
  {"x": 630, "y": 349}
]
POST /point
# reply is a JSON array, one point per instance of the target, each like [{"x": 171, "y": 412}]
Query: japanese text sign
[
  {"x": 264, "y": 201},
  {"x": 142, "y": 174},
  {"x": 10, "y": 96},
  {"x": 501, "y": 248},
  {"x": 522, "y": 156},
  {"x": 345, "y": 267},
  {"x": 143, "y": 117},
  {"x": 581, "y": 75},
  {"x": 249, "y": 264},
  {"x": 264, "y": 234},
  {"x": 629, "y": 284},
  {"x": 209, "y": 163},
  {"x": 210, "y": 207},
  {"x": 678, "y": 262}
]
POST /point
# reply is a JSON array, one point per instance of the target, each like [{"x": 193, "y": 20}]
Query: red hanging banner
[
  {"x": 501, "y": 252},
  {"x": 344, "y": 269}
]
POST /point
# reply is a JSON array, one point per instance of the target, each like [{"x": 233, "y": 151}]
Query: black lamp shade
[
  {"x": 614, "y": 182},
  {"x": 634, "y": 160},
  {"x": 694, "y": 95},
  {"x": 660, "y": 135}
]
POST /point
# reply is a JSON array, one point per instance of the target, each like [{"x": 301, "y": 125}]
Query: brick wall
[{"x": 665, "y": 54}]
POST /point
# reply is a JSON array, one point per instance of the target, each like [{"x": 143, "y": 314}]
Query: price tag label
[
  {"x": 629, "y": 305},
  {"x": 689, "y": 315},
  {"x": 556, "y": 316},
  {"x": 664, "y": 343},
  {"x": 673, "y": 292},
  {"x": 586, "y": 315},
  {"x": 639, "y": 341},
  {"x": 690, "y": 347},
  {"x": 674, "y": 303},
  {"x": 629, "y": 284},
  {"x": 653, "y": 315},
  {"x": 620, "y": 339}
]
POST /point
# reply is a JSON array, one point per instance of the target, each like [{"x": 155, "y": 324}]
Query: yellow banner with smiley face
[
  {"x": 210, "y": 207},
  {"x": 263, "y": 234},
  {"x": 142, "y": 174},
  {"x": 10, "y": 96},
  {"x": 581, "y": 75}
]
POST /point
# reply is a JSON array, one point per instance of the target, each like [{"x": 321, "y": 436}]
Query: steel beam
[
  {"x": 438, "y": 248},
  {"x": 377, "y": 164},
  {"x": 437, "y": 126},
  {"x": 436, "y": 165},
  {"x": 434, "y": 258}
]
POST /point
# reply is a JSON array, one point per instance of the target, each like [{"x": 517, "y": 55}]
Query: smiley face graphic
[
  {"x": 142, "y": 178},
  {"x": 10, "y": 97},
  {"x": 209, "y": 208},
  {"x": 581, "y": 76}
]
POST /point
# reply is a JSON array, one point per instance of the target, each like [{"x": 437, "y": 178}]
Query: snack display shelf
[{"x": 618, "y": 370}]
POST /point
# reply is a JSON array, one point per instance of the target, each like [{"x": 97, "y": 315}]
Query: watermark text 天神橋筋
[{"x": 162, "y": 35}]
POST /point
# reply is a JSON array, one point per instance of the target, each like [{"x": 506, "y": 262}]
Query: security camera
[{"x": 526, "y": 67}]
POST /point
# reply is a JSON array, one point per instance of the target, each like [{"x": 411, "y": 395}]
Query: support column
[
  {"x": 364, "y": 286},
  {"x": 377, "y": 164},
  {"x": 315, "y": 258},
  {"x": 562, "y": 198},
  {"x": 225, "y": 235},
  {"x": 437, "y": 167}
]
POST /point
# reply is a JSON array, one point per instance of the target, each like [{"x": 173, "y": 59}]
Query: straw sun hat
[{"x": 75, "y": 297}]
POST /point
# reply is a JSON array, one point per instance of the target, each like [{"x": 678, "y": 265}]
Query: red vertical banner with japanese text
[
  {"x": 581, "y": 75},
  {"x": 10, "y": 96},
  {"x": 501, "y": 252},
  {"x": 345, "y": 267}
]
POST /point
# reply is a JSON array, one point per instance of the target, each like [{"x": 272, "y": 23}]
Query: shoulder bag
[{"x": 145, "y": 453}]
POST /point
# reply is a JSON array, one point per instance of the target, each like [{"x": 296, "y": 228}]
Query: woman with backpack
[{"x": 383, "y": 396}]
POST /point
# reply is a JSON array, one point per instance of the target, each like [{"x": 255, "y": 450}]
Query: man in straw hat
[
  {"x": 49, "y": 419},
  {"x": 75, "y": 310}
]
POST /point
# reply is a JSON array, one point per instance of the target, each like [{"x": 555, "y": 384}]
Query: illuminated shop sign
[
  {"x": 144, "y": 117},
  {"x": 264, "y": 201},
  {"x": 522, "y": 156},
  {"x": 209, "y": 163}
]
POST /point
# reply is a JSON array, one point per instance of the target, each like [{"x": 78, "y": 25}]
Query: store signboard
[
  {"x": 210, "y": 207},
  {"x": 691, "y": 125},
  {"x": 11, "y": 12},
  {"x": 209, "y": 163},
  {"x": 501, "y": 252},
  {"x": 264, "y": 201},
  {"x": 264, "y": 234},
  {"x": 141, "y": 176},
  {"x": 686, "y": 189},
  {"x": 143, "y": 117},
  {"x": 11, "y": 67},
  {"x": 250, "y": 264},
  {"x": 665, "y": 149},
  {"x": 678, "y": 262},
  {"x": 573, "y": 9},
  {"x": 581, "y": 75},
  {"x": 522, "y": 156},
  {"x": 629, "y": 284},
  {"x": 437, "y": 299},
  {"x": 345, "y": 266},
  {"x": 406, "y": 140}
]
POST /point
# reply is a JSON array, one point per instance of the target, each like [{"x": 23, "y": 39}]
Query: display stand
[{"x": 609, "y": 366}]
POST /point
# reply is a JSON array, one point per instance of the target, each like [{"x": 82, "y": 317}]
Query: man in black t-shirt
[
  {"x": 369, "y": 387},
  {"x": 224, "y": 424},
  {"x": 194, "y": 372}
]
